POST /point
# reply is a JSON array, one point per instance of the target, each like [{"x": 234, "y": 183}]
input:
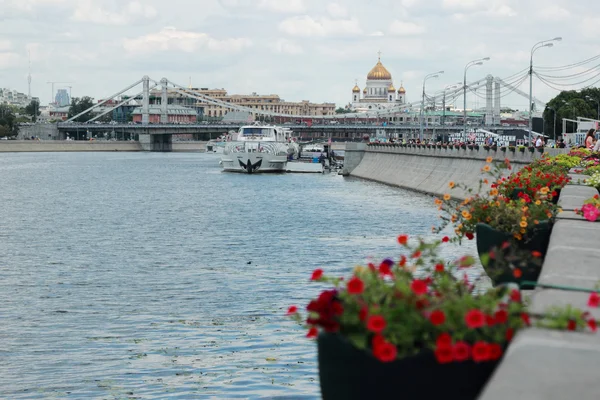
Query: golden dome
[
  {"x": 356, "y": 89},
  {"x": 391, "y": 88},
  {"x": 401, "y": 90},
  {"x": 379, "y": 72},
  {"x": 365, "y": 90}
]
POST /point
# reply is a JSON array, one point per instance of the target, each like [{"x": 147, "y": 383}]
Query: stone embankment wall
[{"x": 428, "y": 170}]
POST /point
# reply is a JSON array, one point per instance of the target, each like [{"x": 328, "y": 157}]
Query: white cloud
[
  {"x": 321, "y": 27},
  {"x": 27, "y": 5},
  {"x": 288, "y": 6},
  {"x": 337, "y": 11},
  {"x": 554, "y": 13},
  {"x": 465, "y": 5},
  {"x": 404, "y": 28},
  {"x": 88, "y": 11},
  {"x": 9, "y": 60},
  {"x": 285, "y": 46},
  {"x": 377, "y": 33},
  {"x": 5, "y": 44},
  {"x": 171, "y": 39}
]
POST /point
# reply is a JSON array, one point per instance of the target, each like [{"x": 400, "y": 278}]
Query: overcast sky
[{"x": 299, "y": 49}]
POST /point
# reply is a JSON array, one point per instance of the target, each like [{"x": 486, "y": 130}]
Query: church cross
[{"x": 379, "y": 54}]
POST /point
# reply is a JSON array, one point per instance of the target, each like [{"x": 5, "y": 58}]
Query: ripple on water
[{"x": 157, "y": 276}]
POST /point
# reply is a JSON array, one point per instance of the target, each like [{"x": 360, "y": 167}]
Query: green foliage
[
  {"x": 578, "y": 106},
  {"x": 8, "y": 121},
  {"x": 79, "y": 105},
  {"x": 33, "y": 110},
  {"x": 341, "y": 110}
]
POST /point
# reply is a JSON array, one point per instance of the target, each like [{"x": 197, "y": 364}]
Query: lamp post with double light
[
  {"x": 469, "y": 65},
  {"x": 538, "y": 45},
  {"x": 433, "y": 75}
]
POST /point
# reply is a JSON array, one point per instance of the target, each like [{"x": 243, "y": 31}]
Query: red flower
[
  {"x": 444, "y": 354},
  {"x": 480, "y": 351},
  {"x": 495, "y": 351},
  {"x": 337, "y": 308},
  {"x": 571, "y": 325},
  {"x": 317, "y": 274},
  {"x": 377, "y": 340},
  {"x": 355, "y": 285},
  {"x": 490, "y": 320},
  {"x": 592, "y": 324},
  {"x": 517, "y": 273},
  {"x": 445, "y": 239},
  {"x": 469, "y": 235},
  {"x": 594, "y": 300},
  {"x": 292, "y": 310},
  {"x": 385, "y": 352},
  {"x": 525, "y": 318},
  {"x": 385, "y": 267},
  {"x": 443, "y": 340},
  {"x": 501, "y": 316},
  {"x": 515, "y": 295},
  {"x": 376, "y": 323},
  {"x": 402, "y": 261},
  {"x": 312, "y": 333},
  {"x": 403, "y": 239},
  {"x": 439, "y": 267},
  {"x": 437, "y": 317},
  {"x": 418, "y": 287},
  {"x": 362, "y": 314},
  {"x": 416, "y": 254},
  {"x": 461, "y": 351},
  {"x": 509, "y": 334},
  {"x": 475, "y": 319},
  {"x": 536, "y": 253}
]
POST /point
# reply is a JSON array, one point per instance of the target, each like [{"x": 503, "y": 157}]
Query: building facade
[
  {"x": 271, "y": 103},
  {"x": 177, "y": 114},
  {"x": 62, "y": 98},
  {"x": 12, "y": 97},
  {"x": 379, "y": 92}
]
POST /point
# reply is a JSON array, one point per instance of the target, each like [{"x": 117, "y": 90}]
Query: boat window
[{"x": 255, "y": 131}]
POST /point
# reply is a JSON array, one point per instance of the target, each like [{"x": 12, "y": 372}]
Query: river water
[{"x": 157, "y": 276}]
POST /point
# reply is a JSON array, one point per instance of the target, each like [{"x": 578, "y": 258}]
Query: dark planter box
[
  {"x": 488, "y": 238},
  {"x": 347, "y": 373},
  {"x": 522, "y": 149}
]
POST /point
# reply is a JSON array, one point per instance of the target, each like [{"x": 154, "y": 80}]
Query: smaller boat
[{"x": 215, "y": 146}]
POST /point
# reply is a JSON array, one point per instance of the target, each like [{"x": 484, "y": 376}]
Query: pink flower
[{"x": 590, "y": 212}]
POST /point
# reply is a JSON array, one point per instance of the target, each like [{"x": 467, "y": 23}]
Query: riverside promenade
[
  {"x": 539, "y": 364},
  {"x": 19, "y": 146}
]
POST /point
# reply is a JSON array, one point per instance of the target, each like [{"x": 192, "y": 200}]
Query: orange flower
[
  {"x": 447, "y": 197},
  {"x": 494, "y": 192},
  {"x": 451, "y": 184},
  {"x": 486, "y": 168},
  {"x": 544, "y": 190},
  {"x": 438, "y": 202},
  {"x": 489, "y": 159}
]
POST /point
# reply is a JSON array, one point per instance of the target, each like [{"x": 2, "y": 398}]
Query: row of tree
[{"x": 571, "y": 104}]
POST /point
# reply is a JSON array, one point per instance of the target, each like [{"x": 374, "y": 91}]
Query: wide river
[{"x": 157, "y": 276}]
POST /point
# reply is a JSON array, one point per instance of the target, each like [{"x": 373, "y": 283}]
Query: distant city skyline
[{"x": 299, "y": 49}]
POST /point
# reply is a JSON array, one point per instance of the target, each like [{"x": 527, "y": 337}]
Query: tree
[
  {"x": 33, "y": 109},
  {"x": 79, "y": 105},
  {"x": 341, "y": 110},
  {"x": 570, "y": 104},
  {"x": 8, "y": 125}
]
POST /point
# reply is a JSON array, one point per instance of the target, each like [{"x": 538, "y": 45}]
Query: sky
[{"x": 299, "y": 49}]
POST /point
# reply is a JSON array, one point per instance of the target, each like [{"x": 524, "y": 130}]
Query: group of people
[{"x": 591, "y": 142}]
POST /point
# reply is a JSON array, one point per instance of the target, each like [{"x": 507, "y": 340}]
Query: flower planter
[
  {"x": 489, "y": 238},
  {"x": 522, "y": 149},
  {"x": 347, "y": 373},
  {"x": 515, "y": 195}
]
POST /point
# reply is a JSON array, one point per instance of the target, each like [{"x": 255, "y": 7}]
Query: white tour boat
[{"x": 259, "y": 148}]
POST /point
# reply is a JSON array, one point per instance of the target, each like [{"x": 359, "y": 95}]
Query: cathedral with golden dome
[{"x": 379, "y": 93}]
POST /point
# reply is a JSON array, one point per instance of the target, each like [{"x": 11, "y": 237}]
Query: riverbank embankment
[{"x": 539, "y": 364}]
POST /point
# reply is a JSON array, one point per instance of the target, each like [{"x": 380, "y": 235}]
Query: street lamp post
[
  {"x": 452, "y": 86},
  {"x": 538, "y": 45},
  {"x": 433, "y": 75},
  {"x": 597, "y": 102},
  {"x": 469, "y": 65}
]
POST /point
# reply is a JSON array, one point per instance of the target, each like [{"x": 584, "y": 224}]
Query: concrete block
[
  {"x": 543, "y": 299},
  {"x": 547, "y": 365},
  {"x": 573, "y": 196},
  {"x": 577, "y": 179}
]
